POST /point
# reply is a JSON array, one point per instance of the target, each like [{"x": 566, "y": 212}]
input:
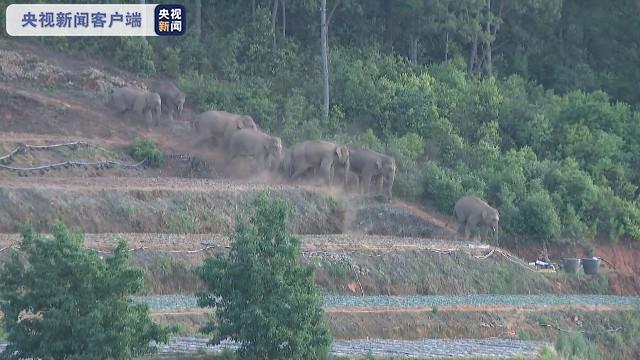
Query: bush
[
  {"x": 264, "y": 299},
  {"x": 61, "y": 301},
  {"x": 135, "y": 54},
  {"x": 142, "y": 149},
  {"x": 441, "y": 187},
  {"x": 407, "y": 151},
  {"x": 538, "y": 217},
  {"x": 574, "y": 346}
]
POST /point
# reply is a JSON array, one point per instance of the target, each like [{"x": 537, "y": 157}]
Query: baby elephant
[
  {"x": 471, "y": 211},
  {"x": 141, "y": 102}
]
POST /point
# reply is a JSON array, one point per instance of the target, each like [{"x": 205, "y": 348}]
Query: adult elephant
[
  {"x": 372, "y": 166},
  {"x": 320, "y": 156},
  {"x": 471, "y": 212},
  {"x": 221, "y": 125},
  {"x": 255, "y": 144},
  {"x": 353, "y": 181},
  {"x": 172, "y": 98},
  {"x": 140, "y": 102}
]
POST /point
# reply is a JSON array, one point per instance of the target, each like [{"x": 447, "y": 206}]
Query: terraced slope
[{"x": 389, "y": 271}]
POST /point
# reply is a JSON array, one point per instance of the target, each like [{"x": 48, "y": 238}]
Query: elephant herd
[
  {"x": 356, "y": 169},
  {"x": 162, "y": 98}
]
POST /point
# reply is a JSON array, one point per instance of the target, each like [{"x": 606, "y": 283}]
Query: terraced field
[
  {"x": 385, "y": 303},
  {"x": 493, "y": 348},
  {"x": 394, "y": 279}
]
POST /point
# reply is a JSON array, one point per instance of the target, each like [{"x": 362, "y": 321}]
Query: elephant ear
[
  {"x": 342, "y": 152},
  {"x": 379, "y": 164}
]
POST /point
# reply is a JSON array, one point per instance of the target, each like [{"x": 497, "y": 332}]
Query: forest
[{"x": 531, "y": 104}]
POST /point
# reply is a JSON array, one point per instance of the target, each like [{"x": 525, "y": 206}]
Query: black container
[
  {"x": 571, "y": 265},
  {"x": 590, "y": 265}
]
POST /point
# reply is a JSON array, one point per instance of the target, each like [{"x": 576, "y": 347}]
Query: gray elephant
[
  {"x": 141, "y": 102},
  {"x": 284, "y": 168},
  {"x": 372, "y": 166},
  {"x": 353, "y": 180},
  {"x": 320, "y": 156},
  {"x": 220, "y": 126},
  {"x": 264, "y": 148},
  {"x": 172, "y": 98},
  {"x": 471, "y": 211}
]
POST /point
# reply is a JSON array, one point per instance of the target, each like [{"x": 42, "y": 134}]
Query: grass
[
  {"x": 590, "y": 336},
  {"x": 166, "y": 274},
  {"x": 183, "y": 220},
  {"x": 426, "y": 273}
]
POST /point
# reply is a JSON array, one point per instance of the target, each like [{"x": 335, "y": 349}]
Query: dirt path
[
  {"x": 333, "y": 243},
  {"x": 441, "y": 221},
  {"x": 480, "y": 308},
  {"x": 141, "y": 183}
]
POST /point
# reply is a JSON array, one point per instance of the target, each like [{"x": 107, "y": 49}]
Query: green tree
[
  {"x": 539, "y": 218},
  {"x": 264, "y": 299},
  {"x": 61, "y": 301}
]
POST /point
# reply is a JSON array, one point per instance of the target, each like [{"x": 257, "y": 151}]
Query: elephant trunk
[
  {"x": 347, "y": 167},
  {"x": 389, "y": 184}
]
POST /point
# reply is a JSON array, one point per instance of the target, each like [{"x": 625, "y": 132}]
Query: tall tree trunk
[
  {"x": 198, "y": 18},
  {"x": 488, "y": 64},
  {"x": 325, "y": 58},
  {"x": 564, "y": 59},
  {"x": 473, "y": 55},
  {"x": 414, "y": 50},
  {"x": 253, "y": 12},
  {"x": 274, "y": 19},
  {"x": 284, "y": 19},
  {"x": 446, "y": 46},
  {"x": 388, "y": 33}
]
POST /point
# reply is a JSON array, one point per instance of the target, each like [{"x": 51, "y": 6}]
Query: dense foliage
[
  {"x": 528, "y": 104},
  {"x": 61, "y": 301},
  {"x": 264, "y": 299},
  {"x": 146, "y": 149}
]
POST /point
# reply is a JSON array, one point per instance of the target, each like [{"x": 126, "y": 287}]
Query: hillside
[{"x": 175, "y": 215}]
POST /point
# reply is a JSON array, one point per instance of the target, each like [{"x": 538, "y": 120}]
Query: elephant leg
[
  {"x": 326, "y": 167},
  {"x": 379, "y": 183},
  {"x": 297, "y": 171},
  {"x": 466, "y": 231},
  {"x": 473, "y": 222},
  {"x": 148, "y": 118},
  {"x": 367, "y": 184},
  {"x": 228, "y": 157},
  {"x": 461, "y": 230}
]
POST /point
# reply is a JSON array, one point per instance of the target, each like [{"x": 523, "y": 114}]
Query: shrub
[
  {"x": 539, "y": 218},
  {"x": 575, "y": 346},
  {"x": 135, "y": 54},
  {"x": 407, "y": 151},
  {"x": 61, "y": 301},
  {"x": 146, "y": 149},
  {"x": 264, "y": 299},
  {"x": 440, "y": 186}
]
